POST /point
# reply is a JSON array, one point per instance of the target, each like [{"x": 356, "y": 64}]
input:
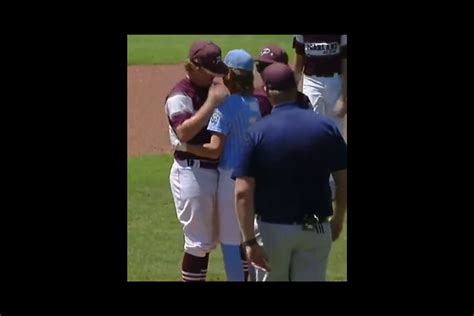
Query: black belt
[
  {"x": 202, "y": 164},
  {"x": 266, "y": 219}
]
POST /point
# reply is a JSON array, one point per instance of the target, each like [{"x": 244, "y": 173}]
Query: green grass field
[
  {"x": 173, "y": 49},
  {"x": 155, "y": 237}
]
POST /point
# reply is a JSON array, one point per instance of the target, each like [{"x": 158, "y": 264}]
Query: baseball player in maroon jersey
[
  {"x": 229, "y": 124},
  {"x": 268, "y": 55},
  {"x": 320, "y": 62},
  {"x": 193, "y": 178}
]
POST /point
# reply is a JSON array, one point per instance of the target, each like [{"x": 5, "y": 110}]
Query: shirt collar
[{"x": 284, "y": 105}]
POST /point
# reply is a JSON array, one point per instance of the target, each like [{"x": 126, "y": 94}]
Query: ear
[{"x": 226, "y": 80}]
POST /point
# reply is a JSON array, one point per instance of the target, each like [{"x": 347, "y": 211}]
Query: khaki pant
[{"x": 294, "y": 254}]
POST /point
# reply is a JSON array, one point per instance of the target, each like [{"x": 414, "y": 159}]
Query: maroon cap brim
[
  {"x": 265, "y": 60},
  {"x": 220, "y": 69}
]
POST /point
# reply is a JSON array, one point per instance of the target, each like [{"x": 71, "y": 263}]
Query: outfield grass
[
  {"x": 155, "y": 237},
  {"x": 173, "y": 49}
]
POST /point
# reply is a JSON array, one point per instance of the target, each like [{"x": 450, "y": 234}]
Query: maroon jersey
[
  {"x": 263, "y": 102},
  {"x": 178, "y": 112},
  {"x": 323, "y": 53}
]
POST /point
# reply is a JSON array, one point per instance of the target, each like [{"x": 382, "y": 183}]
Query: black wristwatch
[{"x": 250, "y": 242}]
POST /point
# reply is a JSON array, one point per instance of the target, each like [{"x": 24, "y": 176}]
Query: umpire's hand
[{"x": 257, "y": 256}]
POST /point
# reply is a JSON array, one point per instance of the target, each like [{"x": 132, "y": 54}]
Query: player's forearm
[
  {"x": 340, "y": 109},
  {"x": 340, "y": 178},
  {"x": 204, "y": 150},
  {"x": 244, "y": 194},
  {"x": 194, "y": 124}
]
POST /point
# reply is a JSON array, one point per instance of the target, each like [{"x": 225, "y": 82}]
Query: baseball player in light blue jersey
[{"x": 228, "y": 126}]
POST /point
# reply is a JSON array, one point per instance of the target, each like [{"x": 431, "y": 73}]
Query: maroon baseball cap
[
  {"x": 208, "y": 55},
  {"x": 271, "y": 54},
  {"x": 278, "y": 76}
]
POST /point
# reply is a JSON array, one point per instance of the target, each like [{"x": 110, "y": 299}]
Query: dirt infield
[{"x": 147, "y": 124}]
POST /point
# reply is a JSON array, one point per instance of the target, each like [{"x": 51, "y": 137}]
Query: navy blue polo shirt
[{"x": 291, "y": 154}]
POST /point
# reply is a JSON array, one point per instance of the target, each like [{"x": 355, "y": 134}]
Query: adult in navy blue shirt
[{"x": 283, "y": 179}]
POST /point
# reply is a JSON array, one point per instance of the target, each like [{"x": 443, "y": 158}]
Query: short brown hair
[
  {"x": 190, "y": 66},
  {"x": 241, "y": 81}
]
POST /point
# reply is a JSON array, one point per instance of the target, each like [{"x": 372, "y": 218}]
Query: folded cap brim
[{"x": 219, "y": 70}]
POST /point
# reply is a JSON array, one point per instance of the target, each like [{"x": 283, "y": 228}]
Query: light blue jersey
[{"x": 232, "y": 119}]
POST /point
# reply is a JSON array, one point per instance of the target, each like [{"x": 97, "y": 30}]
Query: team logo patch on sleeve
[{"x": 216, "y": 117}]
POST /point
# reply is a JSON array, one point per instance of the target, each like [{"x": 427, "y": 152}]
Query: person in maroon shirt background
[
  {"x": 321, "y": 70},
  {"x": 268, "y": 55}
]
